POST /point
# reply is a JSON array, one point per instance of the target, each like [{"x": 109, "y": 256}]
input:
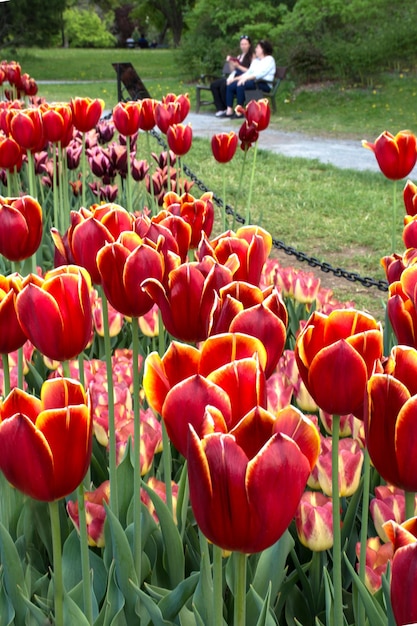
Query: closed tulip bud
[
  {"x": 179, "y": 138},
  {"x": 410, "y": 198},
  {"x": 55, "y": 312},
  {"x": 397, "y": 155},
  {"x": 57, "y": 123},
  {"x": 159, "y": 487},
  {"x": 388, "y": 504},
  {"x": 21, "y": 227},
  {"x": 223, "y": 146},
  {"x": 350, "y": 467},
  {"x": 377, "y": 558},
  {"x": 45, "y": 444},
  {"x": 147, "y": 113},
  {"x": 314, "y": 521},
  {"x": 26, "y": 128},
  {"x": 95, "y": 513},
  {"x": 86, "y": 113},
  {"x": 248, "y": 134},
  {"x": 126, "y": 118},
  {"x": 10, "y": 153}
]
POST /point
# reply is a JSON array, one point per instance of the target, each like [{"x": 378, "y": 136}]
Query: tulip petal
[
  {"x": 227, "y": 347},
  {"x": 290, "y": 421},
  {"x": 18, "y": 401},
  {"x": 67, "y": 432},
  {"x": 337, "y": 379},
  {"x": 406, "y": 444},
  {"x": 25, "y": 457},
  {"x": 186, "y": 403}
]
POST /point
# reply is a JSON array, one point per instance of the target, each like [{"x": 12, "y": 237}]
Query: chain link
[{"x": 327, "y": 268}]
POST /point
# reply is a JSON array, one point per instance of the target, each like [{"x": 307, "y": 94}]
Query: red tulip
[
  {"x": 147, "y": 113},
  {"x": 251, "y": 244},
  {"x": 20, "y": 227},
  {"x": 197, "y": 212},
  {"x": 248, "y": 134},
  {"x": 123, "y": 266},
  {"x": 223, "y": 146},
  {"x": 126, "y": 118},
  {"x": 45, "y": 445},
  {"x": 26, "y": 127},
  {"x": 258, "y": 113},
  {"x": 401, "y": 307},
  {"x": 86, "y": 113},
  {"x": 57, "y": 123},
  {"x": 390, "y": 422},
  {"x": 167, "y": 114},
  {"x": 187, "y": 300},
  {"x": 239, "y": 481},
  {"x": 179, "y": 138},
  {"x": 336, "y": 355},
  {"x": 403, "y": 570},
  {"x": 10, "y": 153},
  {"x": 12, "y": 336},
  {"x": 397, "y": 155},
  {"x": 89, "y": 231},
  {"x": 55, "y": 312},
  {"x": 410, "y": 198}
]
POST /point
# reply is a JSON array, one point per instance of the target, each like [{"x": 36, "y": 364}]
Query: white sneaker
[{"x": 220, "y": 113}]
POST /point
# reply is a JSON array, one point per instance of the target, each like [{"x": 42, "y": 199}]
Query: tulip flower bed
[{"x": 190, "y": 433}]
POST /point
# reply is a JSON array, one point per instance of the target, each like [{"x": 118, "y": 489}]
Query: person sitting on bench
[
  {"x": 260, "y": 75},
  {"x": 237, "y": 66}
]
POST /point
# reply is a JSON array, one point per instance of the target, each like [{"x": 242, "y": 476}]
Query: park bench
[
  {"x": 257, "y": 94},
  {"x": 253, "y": 94}
]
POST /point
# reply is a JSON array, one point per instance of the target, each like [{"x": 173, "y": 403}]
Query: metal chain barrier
[{"x": 327, "y": 268}]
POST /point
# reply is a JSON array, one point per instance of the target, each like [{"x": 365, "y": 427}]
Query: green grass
[{"x": 339, "y": 216}]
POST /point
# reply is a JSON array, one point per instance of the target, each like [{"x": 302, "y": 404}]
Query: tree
[
  {"x": 170, "y": 14},
  {"x": 31, "y": 22}
]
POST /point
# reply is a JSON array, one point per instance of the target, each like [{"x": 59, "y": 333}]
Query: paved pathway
[{"x": 344, "y": 154}]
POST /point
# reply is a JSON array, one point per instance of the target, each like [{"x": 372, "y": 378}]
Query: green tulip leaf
[
  {"x": 173, "y": 559},
  {"x": 153, "y": 609},
  {"x": 13, "y": 575},
  {"x": 37, "y": 616},
  {"x": 204, "y": 590},
  {"x": 373, "y": 609},
  {"x": 72, "y": 571},
  {"x": 258, "y": 608},
  {"x": 7, "y": 613},
  {"x": 270, "y": 569},
  {"x": 124, "y": 570},
  {"x": 124, "y": 475},
  {"x": 174, "y": 601},
  {"x": 387, "y": 595},
  {"x": 112, "y": 612},
  {"x": 72, "y": 613}
]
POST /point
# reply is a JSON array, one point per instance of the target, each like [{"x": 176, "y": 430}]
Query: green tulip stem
[
  {"x": 252, "y": 178},
  {"x": 57, "y": 222},
  {"x": 394, "y": 216},
  {"x": 152, "y": 191},
  {"x": 337, "y": 540},
  {"x": 32, "y": 193},
  {"x": 364, "y": 530},
  {"x": 179, "y": 169},
  {"x": 167, "y": 464},
  {"x": 217, "y": 586},
  {"x": 239, "y": 617},
  {"x": 20, "y": 368},
  {"x": 57, "y": 558},
  {"x": 114, "y": 501},
  {"x": 410, "y": 497},
  {"x": 85, "y": 559},
  {"x": 129, "y": 199},
  {"x": 223, "y": 208},
  {"x": 6, "y": 374},
  {"x": 66, "y": 369},
  {"x": 83, "y": 172},
  {"x": 239, "y": 187},
  {"x": 137, "y": 524}
]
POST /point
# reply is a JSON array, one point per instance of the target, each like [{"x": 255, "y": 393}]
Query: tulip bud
[{"x": 314, "y": 521}]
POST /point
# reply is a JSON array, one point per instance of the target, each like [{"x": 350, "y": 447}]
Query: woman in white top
[
  {"x": 237, "y": 65},
  {"x": 260, "y": 74}
]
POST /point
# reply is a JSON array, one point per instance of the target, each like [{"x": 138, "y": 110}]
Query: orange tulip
[
  {"x": 397, "y": 155},
  {"x": 45, "y": 444},
  {"x": 197, "y": 212}
]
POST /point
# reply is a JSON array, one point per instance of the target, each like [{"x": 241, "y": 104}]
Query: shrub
[{"x": 84, "y": 29}]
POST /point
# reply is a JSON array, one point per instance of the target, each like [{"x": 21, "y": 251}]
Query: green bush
[{"x": 84, "y": 29}]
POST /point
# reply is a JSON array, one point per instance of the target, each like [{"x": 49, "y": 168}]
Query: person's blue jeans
[{"x": 238, "y": 91}]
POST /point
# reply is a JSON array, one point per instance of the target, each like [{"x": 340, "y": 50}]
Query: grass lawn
[{"x": 338, "y": 216}]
